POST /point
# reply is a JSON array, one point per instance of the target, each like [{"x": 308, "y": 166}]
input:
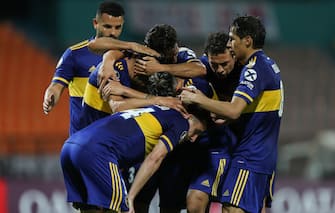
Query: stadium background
[{"x": 33, "y": 34}]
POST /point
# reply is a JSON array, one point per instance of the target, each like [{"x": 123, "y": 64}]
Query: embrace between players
[{"x": 156, "y": 117}]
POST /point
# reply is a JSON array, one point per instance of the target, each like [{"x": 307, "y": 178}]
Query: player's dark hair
[
  {"x": 163, "y": 39},
  {"x": 250, "y": 26},
  {"x": 216, "y": 43},
  {"x": 162, "y": 84},
  {"x": 111, "y": 8},
  {"x": 202, "y": 114}
]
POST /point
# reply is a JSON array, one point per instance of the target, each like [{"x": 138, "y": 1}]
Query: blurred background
[{"x": 34, "y": 34}]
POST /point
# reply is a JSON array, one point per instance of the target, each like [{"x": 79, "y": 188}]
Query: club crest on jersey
[
  {"x": 251, "y": 62},
  {"x": 250, "y": 75},
  {"x": 183, "y": 137}
]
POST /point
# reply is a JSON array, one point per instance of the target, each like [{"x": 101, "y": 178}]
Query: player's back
[
  {"x": 131, "y": 134},
  {"x": 94, "y": 107}
]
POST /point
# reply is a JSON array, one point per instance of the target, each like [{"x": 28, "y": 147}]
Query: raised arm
[
  {"x": 103, "y": 44},
  {"x": 149, "y": 65},
  {"x": 106, "y": 70}
]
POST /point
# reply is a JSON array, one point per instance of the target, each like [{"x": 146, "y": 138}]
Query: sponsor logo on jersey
[
  {"x": 250, "y": 75},
  {"x": 226, "y": 193},
  {"x": 205, "y": 183}
]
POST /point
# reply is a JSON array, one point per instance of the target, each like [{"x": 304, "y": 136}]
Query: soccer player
[
  {"x": 186, "y": 65},
  {"x": 223, "y": 72},
  {"x": 95, "y": 107},
  {"x": 92, "y": 157},
  {"x": 163, "y": 39},
  {"x": 256, "y": 107},
  {"x": 77, "y": 62}
]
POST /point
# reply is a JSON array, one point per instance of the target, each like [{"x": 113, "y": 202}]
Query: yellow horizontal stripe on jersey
[
  {"x": 61, "y": 79},
  {"x": 94, "y": 100},
  {"x": 77, "y": 86},
  {"x": 245, "y": 95},
  {"x": 151, "y": 128},
  {"x": 79, "y": 45},
  {"x": 168, "y": 141},
  {"x": 266, "y": 102}
]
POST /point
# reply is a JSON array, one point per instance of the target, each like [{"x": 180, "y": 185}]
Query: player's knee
[{"x": 197, "y": 201}]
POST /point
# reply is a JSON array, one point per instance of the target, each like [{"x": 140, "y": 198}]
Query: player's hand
[
  {"x": 48, "y": 102},
  {"x": 190, "y": 95},
  {"x": 112, "y": 88},
  {"x": 130, "y": 203},
  {"x": 136, "y": 47},
  {"x": 217, "y": 120},
  {"x": 104, "y": 74},
  {"x": 171, "y": 102},
  {"x": 147, "y": 66}
]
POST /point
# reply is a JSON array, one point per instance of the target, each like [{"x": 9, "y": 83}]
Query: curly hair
[
  {"x": 216, "y": 43},
  {"x": 162, "y": 84},
  {"x": 163, "y": 39}
]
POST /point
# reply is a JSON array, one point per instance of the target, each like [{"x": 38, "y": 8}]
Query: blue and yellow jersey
[
  {"x": 186, "y": 55},
  {"x": 201, "y": 84},
  {"x": 224, "y": 86},
  {"x": 131, "y": 134},
  {"x": 72, "y": 71},
  {"x": 94, "y": 107},
  {"x": 257, "y": 128}
]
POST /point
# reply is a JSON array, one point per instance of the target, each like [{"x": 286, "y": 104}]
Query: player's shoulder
[
  {"x": 79, "y": 45},
  {"x": 121, "y": 64}
]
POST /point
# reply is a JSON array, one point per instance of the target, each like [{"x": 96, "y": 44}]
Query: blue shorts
[
  {"x": 246, "y": 189},
  {"x": 92, "y": 179},
  {"x": 210, "y": 179}
]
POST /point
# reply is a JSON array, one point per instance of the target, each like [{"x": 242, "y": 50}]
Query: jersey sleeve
[
  {"x": 186, "y": 55},
  {"x": 204, "y": 60},
  {"x": 121, "y": 69},
  {"x": 201, "y": 84},
  {"x": 250, "y": 85},
  {"x": 173, "y": 135},
  {"x": 65, "y": 69}
]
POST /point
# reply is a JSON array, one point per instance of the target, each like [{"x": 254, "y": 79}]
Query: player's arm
[
  {"x": 51, "y": 96},
  {"x": 106, "y": 70},
  {"x": 121, "y": 98},
  {"x": 147, "y": 169},
  {"x": 117, "y": 103},
  {"x": 103, "y": 44},
  {"x": 149, "y": 65},
  {"x": 116, "y": 88},
  {"x": 228, "y": 110}
]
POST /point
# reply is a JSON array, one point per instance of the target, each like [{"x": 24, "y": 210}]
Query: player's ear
[
  {"x": 248, "y": 41},
  {"x": 95, "y": 23}
]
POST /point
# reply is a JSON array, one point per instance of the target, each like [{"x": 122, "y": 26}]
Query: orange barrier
[{"x": 25, "y": 72}]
